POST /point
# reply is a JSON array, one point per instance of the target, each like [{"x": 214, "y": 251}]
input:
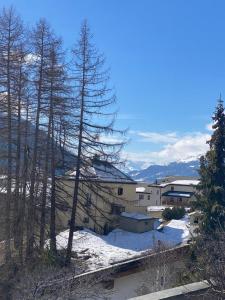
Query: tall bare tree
[
  {"x": 11, "y": 31},
  {"x": 41, "y": 42},
  {"x": 56, "y": 103},
  {"x": 93, "y": 99}
]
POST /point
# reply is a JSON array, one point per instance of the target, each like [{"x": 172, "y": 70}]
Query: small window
[
  {"x": 141, "y": 197},
  {"x": 157, "y": 192},
  {"x": 172, "y": 188},
  {"x": 62, "y": 205},
  {"x": 86, "y": 220},
  {"x": 148, "y": 197},
  {"x": 88, "y": 200},
  {"x": 196, "y": 221},
  {"x": 120, "y": 191},
  {"x": 108, "y": 285},
  {"x": 180, "y": 199},
  {"x": 162, "y": 280}
]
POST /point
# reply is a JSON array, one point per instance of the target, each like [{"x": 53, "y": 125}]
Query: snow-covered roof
[
  {"x": 120, "y": 245},
  {"x": 185, "y": 182},
  {"x": 102, "y": 171},
  {"x": 178, "y": 194},
  {"x": 156, "y": 208},
  {"x": 134, "y": 215},
  {"x": 140, "y": 189}
]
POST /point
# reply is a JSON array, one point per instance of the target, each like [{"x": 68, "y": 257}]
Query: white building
[
  {"x": 169, "y": 192},
  {"x": 179, "y": 192},
  {"x": 148, "y": 194}
]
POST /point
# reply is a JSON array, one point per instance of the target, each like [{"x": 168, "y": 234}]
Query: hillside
[{"x": 154, "y": 172}]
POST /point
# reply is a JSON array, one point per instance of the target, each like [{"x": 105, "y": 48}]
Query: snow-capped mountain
[{"x": 153, "y": 172}]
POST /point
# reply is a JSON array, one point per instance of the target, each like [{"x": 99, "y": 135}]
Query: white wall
[{"x": 153, "y": 192}]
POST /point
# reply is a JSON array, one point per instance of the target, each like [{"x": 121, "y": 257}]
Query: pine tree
[{"x": 212, "y": 174}]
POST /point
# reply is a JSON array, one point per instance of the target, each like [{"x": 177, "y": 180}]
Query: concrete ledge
[{"x": 177, "y": 293}]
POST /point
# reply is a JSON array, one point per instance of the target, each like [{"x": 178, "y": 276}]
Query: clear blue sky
[{"x": 167, "y": 60}]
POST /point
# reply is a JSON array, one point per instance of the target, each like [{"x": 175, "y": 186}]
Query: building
[
  {"x": 148, "y": 194},
  {"x": 136, "y": 222},
  {"x": 104, "y": 193},
  {"x": 171, "y": 191},
  {"x": 179, "y": 192}
]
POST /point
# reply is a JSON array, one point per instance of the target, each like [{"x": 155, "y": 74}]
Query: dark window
[
  {"x": 172, "y": 188},
  {"x": 162, "y": 280},
  {"x": 117, "y": 209},
  {"x": 62, "y": 205},
  {"x": 88, "y": 200},
  {"x": 86, "y": 220},
  {"x": 180, "y": 199},
  {"x": 141, "y": 197},
  {"x": 108, "y": 285},
  {"x": 120, "y": 191},
  {"x": 148, "y": 197}
]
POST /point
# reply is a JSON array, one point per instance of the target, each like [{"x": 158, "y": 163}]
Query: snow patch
[{"x": 121, "y": 245}]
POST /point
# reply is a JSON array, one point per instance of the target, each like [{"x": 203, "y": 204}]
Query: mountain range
[{"x": 154, "y": 172}]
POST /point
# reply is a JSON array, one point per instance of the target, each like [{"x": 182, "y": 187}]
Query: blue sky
[{"x": 167, "y": 60}]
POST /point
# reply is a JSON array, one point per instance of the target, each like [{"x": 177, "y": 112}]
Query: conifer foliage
[{"x": 212, "y": 174}]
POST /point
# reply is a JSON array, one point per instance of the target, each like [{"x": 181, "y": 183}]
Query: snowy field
[{"x": 119, "y": 245}]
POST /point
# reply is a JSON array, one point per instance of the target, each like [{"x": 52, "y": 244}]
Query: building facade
[
  {"x": 179, "y": 192},
  {"x": 103, "y": 196}
]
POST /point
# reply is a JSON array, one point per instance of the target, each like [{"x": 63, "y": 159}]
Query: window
[
  {"x": 86, "y": 220},
  {"x": 180, "y": 199},
  {"x": 141, "y": 197},
  {"x": 196, "y": 221},
  {"x": 62, "y": 205},
  {"x": 148, "y": 197},
  {"x": 162, "y": 280},
  {"x": 120, "y": 191},
  {"x": 108, "y": 285},
  {"x": 117, "y": 209},
  {"x": 157, "y": 192},
  {"x": 172, "y": 188},
  {"x": 88, "y": 200}
]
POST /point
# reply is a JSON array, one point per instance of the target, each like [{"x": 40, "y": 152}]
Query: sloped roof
[
  {"x": 102, "y": 171},
  {"x": 186, "y": 182}
]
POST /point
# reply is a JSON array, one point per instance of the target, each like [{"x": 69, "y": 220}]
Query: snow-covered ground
[{"x": 120, "y": 245}]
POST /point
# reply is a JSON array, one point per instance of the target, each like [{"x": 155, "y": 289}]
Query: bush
[{"x": 175, "y": 213}]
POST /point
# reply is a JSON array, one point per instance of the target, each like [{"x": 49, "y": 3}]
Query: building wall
[
  {"x": 134, "y": 225},
  {"x": 178, "y": 187},
  {"x": 157, "y": 214},
  {"x": 103, "y": 195},
  {"x": 145, "y": 275},
  {"x": 153, "y": 191},
  {"x": 181, "y": 201},
  {"x": 155, "y": 195},
  {"x": 154, "y": 279},
  {"x": 178, "y": 201}
]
